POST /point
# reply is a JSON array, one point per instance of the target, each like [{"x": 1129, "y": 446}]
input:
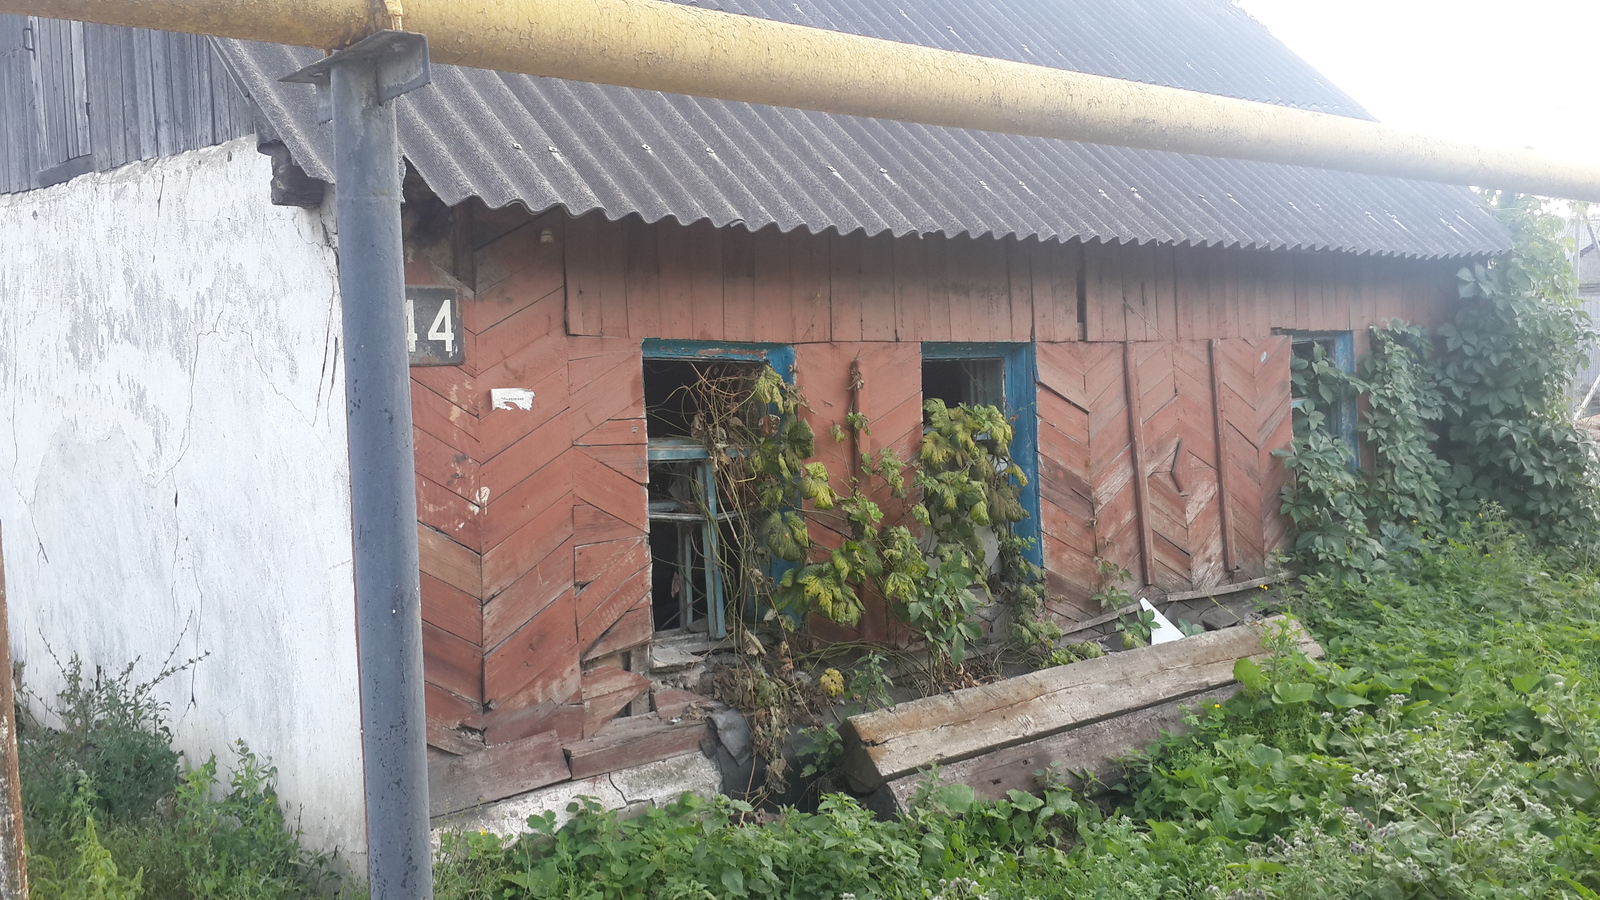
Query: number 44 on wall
[{"x": 441, "y": 342}]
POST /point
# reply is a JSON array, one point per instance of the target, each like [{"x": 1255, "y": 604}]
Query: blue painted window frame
[
  {"x": 781, "y": 358},
  {"x": 1344, "y": 356},
  {"x": 1022, "y": 406}
]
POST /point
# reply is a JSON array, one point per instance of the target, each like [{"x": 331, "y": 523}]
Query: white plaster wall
[{"x": 176, "y": 473}]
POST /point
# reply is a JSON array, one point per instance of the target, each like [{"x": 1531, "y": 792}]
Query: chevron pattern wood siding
[
  {"x": 1086, "y": 492},
  {"x": 1253, "y": 406},
  {"x": 531, "y": 522},
  {"x": 1189, "y": 518},
  {"x": 890, "y": 395},
  {"x": 1177, "y": 436}
]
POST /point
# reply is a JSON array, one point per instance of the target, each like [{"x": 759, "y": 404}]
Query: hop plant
[{"x": 832, "y": 683}]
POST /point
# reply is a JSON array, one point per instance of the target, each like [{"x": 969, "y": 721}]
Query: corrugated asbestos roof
[{"x": 547, "y": 142}]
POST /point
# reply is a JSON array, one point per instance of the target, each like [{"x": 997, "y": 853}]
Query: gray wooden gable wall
[{"x": 77, "y": 98}]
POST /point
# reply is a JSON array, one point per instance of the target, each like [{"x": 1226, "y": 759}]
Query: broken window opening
[
  {"x": 693, "y": 538},
  {"x": 999, "y": 374},
  {"x": 1339, "y": 348},
  {"x": 973, "y": 382}
]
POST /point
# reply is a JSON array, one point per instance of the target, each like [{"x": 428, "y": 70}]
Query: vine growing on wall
[
  {"x": 1472, "y": 419},
  {"x": 961, "y": 488}
]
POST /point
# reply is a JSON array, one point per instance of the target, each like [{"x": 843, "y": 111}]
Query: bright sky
[{"x": 1516, "y": 73}]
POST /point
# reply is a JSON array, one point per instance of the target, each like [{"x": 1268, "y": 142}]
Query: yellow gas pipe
[{"x": 666, "y": 46}]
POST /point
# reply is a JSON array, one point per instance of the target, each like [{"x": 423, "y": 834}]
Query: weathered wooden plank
[
  {"x": 845, "y": 280},
  {"x": 583, "y": 262},
  {"x": 937, "y": 263},
  {"x": 673, "y": 315},
  {"x": 449, "y": 562},
  {"x": 877, "y": 288},
  {"x": 631, "y": 630},
  {"x": 1095, "y": 749},
  {"x": 961, "y": 258},
  {"x": 1135, "y": 428},
  {"x": 911, "y": 288},
  {"x": 504, "y": 514},
  {"x": 563, "y": 721},
  {"x": 541, "y": 655},
  {"x": 444, "y": 465},
  {"x": 528, "y": 596},
  {"x": 451, "y": 740},
  {"x": 773, "y": 318},
  {"x": 599, "y": 611},
  {"x": 614, "y": 432},
  {"x": 605, "y": 691},
  {"x": 451, "y": 662},
  {"x": 738, "y": 285},
  {"x": 452, "y": 609},
  {"x": 705, "y": 280},
  {"x": 528, "y": 341},
  {"x": 810, "y": 298},
  {"x": 512, "y": 558},
  {"x": 608, "y": 490},
  {"x": 1224, "y": 500},
  {"x": 634, "y": 741},
  {"x": 495, "y": 773},
  {"x": 891, "y": 743},
  {"x": 513, "y": 273},
  {"x": 534, "y": 451},
  {"x": 592, "y": 525}
]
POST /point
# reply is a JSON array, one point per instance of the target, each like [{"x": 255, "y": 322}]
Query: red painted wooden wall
[{"x": 1162, "y": 392}]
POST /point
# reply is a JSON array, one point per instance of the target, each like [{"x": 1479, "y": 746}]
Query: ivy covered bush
[
  {"x": 1466, "y": 422},
  {"x": 958, "y": 488}
]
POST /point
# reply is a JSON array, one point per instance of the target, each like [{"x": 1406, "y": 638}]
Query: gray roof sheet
[{"x": 547, "y": 142}]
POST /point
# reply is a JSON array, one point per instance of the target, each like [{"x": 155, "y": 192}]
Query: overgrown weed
[
  {"x": 110, "y": 812},
  {"x": 1445, "y": 748}
]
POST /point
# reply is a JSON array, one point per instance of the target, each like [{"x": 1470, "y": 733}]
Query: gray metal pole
[{"x": 363, "y": 82}]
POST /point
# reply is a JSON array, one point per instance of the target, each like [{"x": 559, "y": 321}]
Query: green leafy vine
[
  {"x": 1471, "y": 420},
  {"x": 963, "y": 492}
]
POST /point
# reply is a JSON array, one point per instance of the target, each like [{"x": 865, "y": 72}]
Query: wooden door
[
  {"x": 1155, "y": 457},
  {"x": 1252, "y": 377}
]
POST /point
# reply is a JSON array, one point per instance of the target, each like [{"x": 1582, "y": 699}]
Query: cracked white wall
[{"x": 176, "y": 476}]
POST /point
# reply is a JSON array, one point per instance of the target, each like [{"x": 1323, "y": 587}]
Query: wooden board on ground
[
  {"x": 633, "y": 741},
  {"x": 895, "y": 742},
  {"x": 1094, "y": 750},
  {"x": 501, "y": 771}
]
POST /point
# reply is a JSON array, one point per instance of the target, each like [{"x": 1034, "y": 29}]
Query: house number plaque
[{"x": 434, "y": 336}]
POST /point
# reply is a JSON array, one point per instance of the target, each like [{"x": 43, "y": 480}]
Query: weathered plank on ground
[
  {"x": 1093, "y": 749},
  {"x": 891, "y": 743},
  {"x": 501, "y": 771},
  {"x": 633, "y": 741}
]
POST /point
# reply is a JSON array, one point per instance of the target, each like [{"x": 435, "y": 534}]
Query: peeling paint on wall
[{"x": 175, "y": 479}]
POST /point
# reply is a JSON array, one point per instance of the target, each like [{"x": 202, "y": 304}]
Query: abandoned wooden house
[{"x": 580, "y": 252}]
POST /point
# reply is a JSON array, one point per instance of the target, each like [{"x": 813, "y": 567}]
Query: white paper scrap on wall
[{"x": 511, "y": 398}]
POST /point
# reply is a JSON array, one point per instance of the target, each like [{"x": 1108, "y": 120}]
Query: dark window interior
[
  {"x": 681, "y": 590},
  {"x": 1304, "y": 348},
  {"x": 968, "y": 381},
  {"x": 670, "y": 395}
]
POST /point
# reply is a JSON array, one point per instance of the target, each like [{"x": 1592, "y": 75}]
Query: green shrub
[
  {"x": 103, "y": 795},
  {"x": 113, "y": 732}
]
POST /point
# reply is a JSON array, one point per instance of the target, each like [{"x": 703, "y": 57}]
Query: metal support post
[{"x": 359, "y": 86}]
